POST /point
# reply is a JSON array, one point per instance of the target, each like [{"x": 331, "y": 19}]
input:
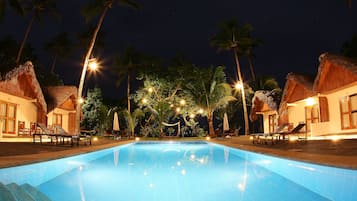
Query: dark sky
[{"x": 294, "y": 32}]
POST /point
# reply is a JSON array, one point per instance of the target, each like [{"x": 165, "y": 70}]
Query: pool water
[
  {"x": 173, "y": 172},
  {"x": 192, "y": 171}
]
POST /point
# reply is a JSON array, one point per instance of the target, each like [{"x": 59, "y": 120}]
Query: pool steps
[{"x": 24, "y": 192}]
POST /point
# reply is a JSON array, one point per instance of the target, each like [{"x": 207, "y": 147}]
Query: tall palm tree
[
  {"x": 37, "y": 8},
  {"x": 59, "y": 46},
  {"x": 209, "y": 90},
  {"x": 13, "y": 4},
  {"x": 248, "y": 52},
  {"x": 89, "y": 11},
  {"x": 126, "y": 66},
  {"x": 233, "y": 37}
]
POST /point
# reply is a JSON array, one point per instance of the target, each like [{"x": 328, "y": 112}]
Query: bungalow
[
  {"x": 61, "y": 106},
  {"x": 328, "y": 103},
  {"x": 23, "y": 103}
]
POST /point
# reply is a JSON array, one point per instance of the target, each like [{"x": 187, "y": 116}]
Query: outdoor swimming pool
[{"x": 183, "y": 171}]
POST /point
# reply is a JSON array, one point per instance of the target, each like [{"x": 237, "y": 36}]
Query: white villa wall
[
  {"x": 296, "y": 112},
  {"x": 65, "y": 116},
  {"x": 26, "y": 110},
  {"x": 334, "y": 125},
  {"x": 266, "y": 119}
]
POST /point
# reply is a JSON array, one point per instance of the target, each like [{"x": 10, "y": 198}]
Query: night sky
[{"x": 294, "y": 32}]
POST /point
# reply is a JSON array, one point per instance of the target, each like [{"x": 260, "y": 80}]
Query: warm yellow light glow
[
  {"x": 192, "y": 116},
  {"x": 251, "y": 137},
  {"x": 178, "y": 109},
  {"x": 172, "y": 105},
  {"x": 293, "y": 138},
  {"x": 80, "y": 100},
  {"x": 137, "y": 139},
  {"x": 310, "y": 101},
  {"x": 150, "y": 90},
  {"x": 238, "y": 86},
  {"x": 182, "y": 102},
  {"x": 145, "y": 100},
  {"x": 200, "y": 111},
  {"x": 93, "y": 64},
  {"x": 95, "y": 139},
  {"x": 208, "y": 138},
  {"x": 335, "y": 138}
]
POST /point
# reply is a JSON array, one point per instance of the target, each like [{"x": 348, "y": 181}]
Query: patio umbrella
[
  {"x": 225, "y": 122},
  {"x": 116, "y": 122}
]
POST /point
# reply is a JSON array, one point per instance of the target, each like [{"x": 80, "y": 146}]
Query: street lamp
[
  {"x": 240, "y": 86},
  {"x": 93, "y": 66}
]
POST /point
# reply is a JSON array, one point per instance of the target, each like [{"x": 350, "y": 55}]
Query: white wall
[
  {"x": 266, "y": 119},
  {"x": 65, "y": 116},
  {"x": 26, "y": 110}
]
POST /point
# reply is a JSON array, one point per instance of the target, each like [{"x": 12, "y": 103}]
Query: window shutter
[{"x": 324, "y": 113}]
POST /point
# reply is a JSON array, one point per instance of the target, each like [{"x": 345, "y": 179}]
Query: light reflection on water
[{"x": 175, "y": 172}]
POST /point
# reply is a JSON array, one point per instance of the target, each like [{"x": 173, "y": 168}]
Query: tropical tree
[
  {"x": 233, "y": 37},
  {"x": 132, "y": 119},
  {"x": 248, "y": 52},
  {"x": 14, "y": 4},
  {"x": 264, "y": 83},
  {"x": 38, "y": 8},
  {"x": 128, "y": 65},
  {"x": 159, "y": 97},
  {"x": 89, "y": 11},
  {"x": 59, "y": 46},
  {"x": 92, "y": 108},
  {"x": 209, "y": 91}
]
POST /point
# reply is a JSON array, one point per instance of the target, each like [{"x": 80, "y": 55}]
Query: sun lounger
[
  {"x": 294, "y": 131},
  {"x": 265, "y": 138},
  {"x": 44, "y": 131},
  {"x": 74, "y": 139}
]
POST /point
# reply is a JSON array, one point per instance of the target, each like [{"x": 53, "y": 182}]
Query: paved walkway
[{"x": 341, "y": 153}]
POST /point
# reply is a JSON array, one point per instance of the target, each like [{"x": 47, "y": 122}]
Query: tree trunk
[
  {"x": 128, "y": 91},
  {"x": 85, "y": 66},
  {"x": 29, "y": 26},
  {"x": 246, "y": 123},
  {"x": 53, "y": 64},
  {"x": 210, "y": 124}
]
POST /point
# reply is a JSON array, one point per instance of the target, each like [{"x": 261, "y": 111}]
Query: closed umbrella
[
  {"x": 225, "y": 122},
  {"x": 116, "y": 122}
]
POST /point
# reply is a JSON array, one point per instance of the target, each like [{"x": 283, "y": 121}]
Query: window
[
  {"x": 311, "y": 116},
  {"x": 348, "y": 109},
  {"x": 272, "y": 123},
  {"x": 8, "y": 117},
  {"x": 57, "y": 119}
]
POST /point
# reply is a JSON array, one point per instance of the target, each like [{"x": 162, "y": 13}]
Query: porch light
[
  {"x": 137, "y": 139},
  {"x": 310, "y": 101},
  {"x": 208, "y": 138}
]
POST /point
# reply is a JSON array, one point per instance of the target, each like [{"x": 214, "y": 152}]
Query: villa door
[{"x": 71, "y": 122}]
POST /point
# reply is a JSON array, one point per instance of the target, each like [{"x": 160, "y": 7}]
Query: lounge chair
[
  {"x": 72, "y": 137},
  {"x": 294, "y": 131},
  {"x": 43, "y": 131},
  {"x": 264, "y": 138}
]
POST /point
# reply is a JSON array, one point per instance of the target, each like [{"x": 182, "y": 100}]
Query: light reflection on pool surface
[{"x": 191, "y": 172}]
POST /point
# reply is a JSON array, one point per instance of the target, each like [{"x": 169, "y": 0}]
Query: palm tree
[
  {"x": 59, "y": 46},
  {"x": 127, "y": 66},
  {"x": 38, "y": 8},
  {"x": 232, "y": 37},
  {"x": 14, "y": 4},
  {"x": 89, "y": 11},
  {"x": 248, "y": 52},
  {"x": 209, "y": 90}
]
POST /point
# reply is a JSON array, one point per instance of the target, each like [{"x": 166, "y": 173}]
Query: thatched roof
[
  {"x": 297, "y": 87},
  {"x": 56, "y": 96},
  {"x": 22, "y": 82},
  {"x": 264, "y": 100},
  {"x": 334, "y": 72}
]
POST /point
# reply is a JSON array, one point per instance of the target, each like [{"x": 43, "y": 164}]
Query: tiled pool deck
[{"x": 342, "y": 153}]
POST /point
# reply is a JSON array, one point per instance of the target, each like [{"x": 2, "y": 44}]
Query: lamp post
[
  {"x": 239, "y": 86},
  {"x": 93, "y": 66}
]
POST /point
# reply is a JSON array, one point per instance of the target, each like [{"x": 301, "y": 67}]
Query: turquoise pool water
[{"x": 176, "y": 171}]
